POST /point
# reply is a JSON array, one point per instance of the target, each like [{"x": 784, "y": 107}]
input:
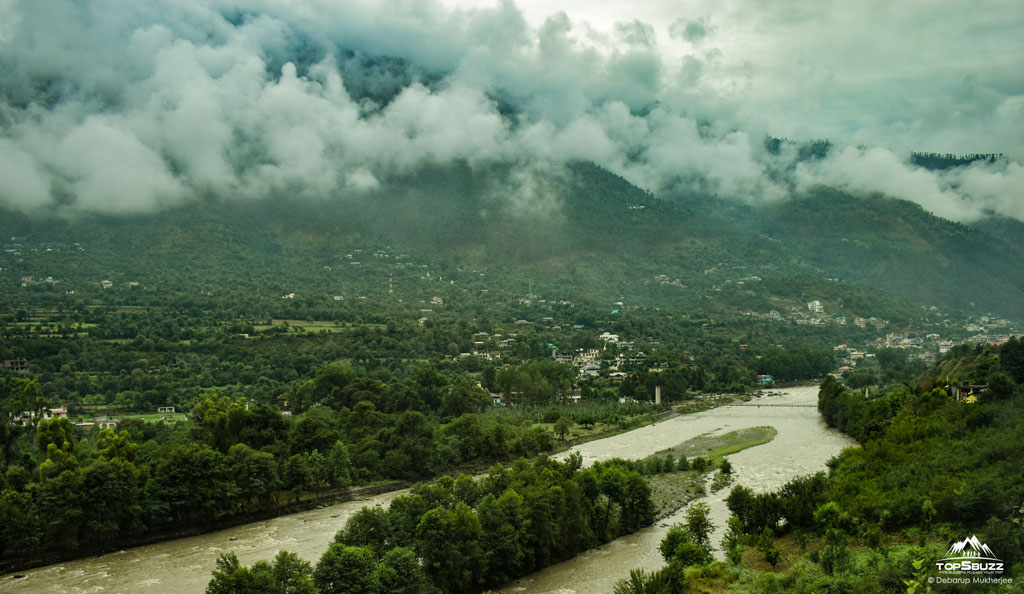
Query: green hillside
[{"x": 580, "y": 233}]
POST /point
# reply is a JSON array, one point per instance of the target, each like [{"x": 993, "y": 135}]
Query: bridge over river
[{"x": 773, "y": 404}]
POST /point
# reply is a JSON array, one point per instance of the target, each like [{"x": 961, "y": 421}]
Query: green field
[
  {"x": 717, "y": 447},
  {"x": 316, "y": 326},
  {"x": 147, "y": 417}
]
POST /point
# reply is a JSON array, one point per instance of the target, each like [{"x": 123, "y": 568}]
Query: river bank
[
  {"x": 17, "y": 562},
  {"x": 803, "y": 445},
  {"x": 185, "y": 565},
  {"x": 15, "y": 566}
]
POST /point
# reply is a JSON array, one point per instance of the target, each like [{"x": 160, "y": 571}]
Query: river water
[
  {"x": 802, "y": 446},
  {"x": 184, "y": 566}
]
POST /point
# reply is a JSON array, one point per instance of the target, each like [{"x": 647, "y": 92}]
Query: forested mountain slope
[{"x": 580, "y": 230}]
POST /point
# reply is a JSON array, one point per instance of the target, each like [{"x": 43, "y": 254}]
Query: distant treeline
[{"x": 934, "y": 161}]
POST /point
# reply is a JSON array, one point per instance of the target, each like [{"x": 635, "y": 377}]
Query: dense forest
[{"x": 67, "y": 488}]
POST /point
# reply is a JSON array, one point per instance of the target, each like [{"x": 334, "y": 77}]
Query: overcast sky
[{"x": 124, "y": 107}]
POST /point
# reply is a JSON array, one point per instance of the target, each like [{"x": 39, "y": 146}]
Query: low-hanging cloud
[{"x": 152, "y": 105}]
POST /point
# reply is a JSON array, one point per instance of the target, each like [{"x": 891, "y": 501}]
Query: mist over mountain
[
  {"x": 581, "y": 234},
  {"x": 125, "y": 109}
]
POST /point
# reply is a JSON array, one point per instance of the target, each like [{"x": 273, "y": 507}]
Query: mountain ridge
[{"x": 582, "y": 228}]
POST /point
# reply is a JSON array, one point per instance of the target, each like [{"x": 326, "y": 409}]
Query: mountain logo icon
[
  {"x": 971, "y": 556},
  {"x": 970, "y": 548}
]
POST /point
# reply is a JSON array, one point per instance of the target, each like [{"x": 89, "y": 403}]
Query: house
[
  {"x": 16, "y": 364},
  {"x": 55, "y": 413},
  {"x": 640, "y": 357},
  {"x": 105, "y": 423},
  {"x": 106, "y": 284},
  {"x": 765, "y": 380},
  {"x": 165, "y": 409},
  {"x": 963, "y": 392}
]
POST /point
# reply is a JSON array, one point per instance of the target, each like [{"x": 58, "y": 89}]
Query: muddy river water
[{"x": 802, "y": 446}]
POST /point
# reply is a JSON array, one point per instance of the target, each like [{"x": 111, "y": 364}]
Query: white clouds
[
  {"x": 110, "y": 169},
  {"x": 249, "y": 97},
  {"x": 361, "y": 179},
  {"x": 993, "y": 187},
  {"x": 23, "y": 182},
  {"x": 962, "y": 194}
]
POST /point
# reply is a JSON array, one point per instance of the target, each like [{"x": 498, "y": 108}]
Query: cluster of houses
[
  {"x": 849, "y": 357},
  {"x": 31, "y": 280},
  {"x": 588, "y": 362},
  {"x": 27, "y": 418},
  {"x": 812, "y": 316}
]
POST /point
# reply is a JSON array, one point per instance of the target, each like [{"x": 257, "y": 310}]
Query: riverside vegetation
[
  {"x": 464, "y": 535},
  {"x": 931, "y": 470}
]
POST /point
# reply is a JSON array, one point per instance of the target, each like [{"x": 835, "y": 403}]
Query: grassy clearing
[
  {"x": 147, "y": 417},
  {"x": 579, "y": 431},
  {"x": 155, "y": 417},
  {"x": 126, "y": 308},
  {"x": 316, "y": 326},
  {"x": 717, "y": 447},
  {"x": 671, "y": 491}
]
